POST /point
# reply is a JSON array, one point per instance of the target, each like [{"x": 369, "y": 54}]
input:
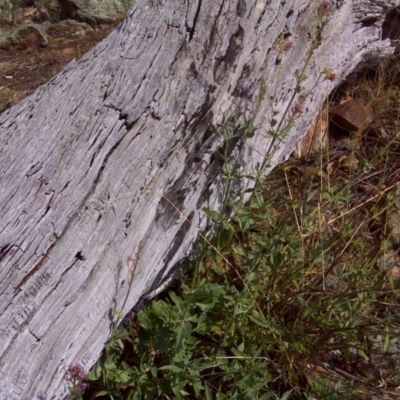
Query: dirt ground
[{"x": 24, "y": 67}]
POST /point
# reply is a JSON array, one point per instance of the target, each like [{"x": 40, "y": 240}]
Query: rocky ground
[{"x": 39, "y": 53}]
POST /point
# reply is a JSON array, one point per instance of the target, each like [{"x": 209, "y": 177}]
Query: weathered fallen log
[{"x": 99, "y": 165}]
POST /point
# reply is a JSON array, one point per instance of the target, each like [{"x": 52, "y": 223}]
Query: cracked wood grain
[{"x": 88, "y": 161}]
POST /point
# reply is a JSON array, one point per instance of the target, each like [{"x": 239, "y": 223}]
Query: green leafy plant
[{"x": 295, "y": 297}]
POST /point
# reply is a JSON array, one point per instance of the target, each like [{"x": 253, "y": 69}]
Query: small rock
[
  {"x": 26, "y": 35},
  {"x": 30, "y": 13},
  {"x": 353, "y": 115}
]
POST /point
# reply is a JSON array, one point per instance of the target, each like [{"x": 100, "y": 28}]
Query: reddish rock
[{"x": 352, "y": 115}]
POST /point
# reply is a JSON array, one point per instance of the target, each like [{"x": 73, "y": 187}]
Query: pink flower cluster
[
  {"x": 324, "y": 7},
  {"x": 76, "y": 375},
  {"x": 298, "y": 107},
  {"x": 288, "y": 45},
  {"x": 326, "y": 4}
]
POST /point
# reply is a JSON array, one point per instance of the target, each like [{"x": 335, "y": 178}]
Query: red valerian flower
[
  {"x": 324, "y": 8},
  {"x": 288, "y": 45},
  {"x": 75, "y": 373},
  {"x": 326, "y": 4}
]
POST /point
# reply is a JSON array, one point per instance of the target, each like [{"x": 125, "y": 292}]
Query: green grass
[
  {"x": 294, "y": 298},
  {"x": 260, "y": 315}
]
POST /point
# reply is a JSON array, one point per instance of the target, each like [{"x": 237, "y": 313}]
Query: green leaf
[
  {"x": 173, "y": 368},
  {"x": 213, "y": 214},
  {"x": 208, "y": 393},
  {"x": 267, "y": 395},
  {"x": 158, "y": 308},
  {"x": 258, "y": 319},
  {"x": 250, "y": 131},
  {"x": 237, "y": 352},
  {"x": 207, "y": 296},
  {"x": 312, "y": 308},
  {"x": 215, "y": 130},
  {"x": 216, "y": 329},
  {"x": 361, "y": 353},
  {"x": 176, "y": 299},
  {"x": 177, "y": 392},
  {"x": 102, "y": 393},
  {"x": 220, "y": 396},
  {"x": 124, "y": 377},
  {"x": 144, "y": 320},
  {"x": 96, "y": 372},
  {"x": 286, "y": 395},
  {"x": 239, "y": 132},
  {"x": 226, "y": 115}
]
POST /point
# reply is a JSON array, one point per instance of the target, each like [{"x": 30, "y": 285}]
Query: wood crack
[
  {"x": 37, "y": 339},
  {"x": 196, "y": 17}
]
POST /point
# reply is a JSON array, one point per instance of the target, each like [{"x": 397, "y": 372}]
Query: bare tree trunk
[{"x": 99, "y": 165}]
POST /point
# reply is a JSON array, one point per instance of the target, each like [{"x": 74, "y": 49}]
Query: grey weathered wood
[{"x": 91, "y": 161}]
